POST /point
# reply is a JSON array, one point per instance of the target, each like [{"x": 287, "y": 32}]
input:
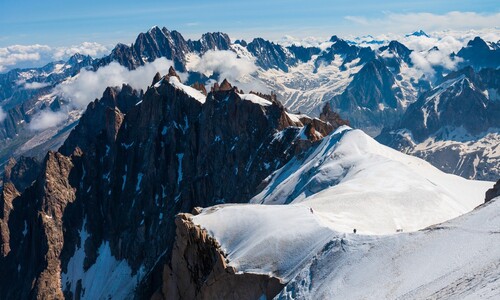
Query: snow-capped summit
[
  {"x": 418, "y": 33},
  {"x": 352, "y": 181}
]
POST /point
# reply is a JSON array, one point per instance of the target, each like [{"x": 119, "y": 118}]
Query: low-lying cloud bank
[
  {"x": 239, "y": 71},
  {"x": 225, "y": 63},
  {"x": 89, "y": 85},
  {"x": 29, "y": 56},
  {"x": 47, "y": 119}
]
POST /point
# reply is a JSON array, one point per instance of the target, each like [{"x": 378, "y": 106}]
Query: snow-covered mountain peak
[
  {"x": 418, "y": 33},
  {"x": 352, "y": 181}
]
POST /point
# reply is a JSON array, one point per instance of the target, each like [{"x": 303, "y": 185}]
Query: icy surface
[
  {"x": 255, "y": 99},
  {"x": 459, "y": 259},
  {"x": 354, "y": 182},
  {"x": 191, "y": 92},
  {"x": 262, "y": 239}
]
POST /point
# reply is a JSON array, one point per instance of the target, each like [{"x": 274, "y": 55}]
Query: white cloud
[
  {"x": 311, "y": 41},
  {"x": 47, "y": 119},
  {"x": 35, "y": 85},
  {"x": 21, "y": 56},
  {"x": 225, "y": 63},
  {"x": 89, "y": 85},
  {"x": 3, "y": 115},
  {"x": 239, "y": 71},
  {"x": 85, "y": 48},
  {"x": 404, "y": 23},
  {"x": 27, "y": 56}
]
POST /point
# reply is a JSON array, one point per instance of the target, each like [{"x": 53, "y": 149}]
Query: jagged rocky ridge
[{"x": 105, "y": 202}]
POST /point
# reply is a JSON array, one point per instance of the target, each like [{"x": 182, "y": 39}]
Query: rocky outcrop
[
  {"x": 32, "y": 268},
  {"x": 347, "y": 52},
  {"x": 270, "y": 55},
  {"x": 199, "y": 269},
  {"x": 329, "y": 116},
  {"x": 18, "y": 175},
  {"x": 478, "y": 54},
  {"x": 211, "y": 41},
  {"x": 493, "y": 192}
]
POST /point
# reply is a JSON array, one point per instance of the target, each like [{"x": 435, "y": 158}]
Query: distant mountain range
[{"x": 371, "y": 87}]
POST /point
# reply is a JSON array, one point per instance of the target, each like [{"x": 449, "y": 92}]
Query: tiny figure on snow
[{"x": 354, "y": 230}]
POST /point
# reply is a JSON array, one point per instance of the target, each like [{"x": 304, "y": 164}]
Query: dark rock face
[
  {"x": 132, "y": 163},
  {"x": 270, "y": 55},
  {"x": 493, "y": 192},
  {"x": 198, "y": 270},
  {"x": 303, "y": 54},
  {"x": 158, "y": 43},
  {"x": 32, "y": 268},
  {"x": 329, "y": 116},
  {"x": 211, "y": 41},
  {"x": 399, "y": 52},
  {"x": 451, "y": 103},
  {"x": 17, "y": 176},
  {"x": 147, "y": 47},
  {"x": 371, "y": 100},
  {"x": 478, "y": 54}
]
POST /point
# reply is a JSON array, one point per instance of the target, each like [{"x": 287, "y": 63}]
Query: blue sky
[{"x": 63, "y": 22}]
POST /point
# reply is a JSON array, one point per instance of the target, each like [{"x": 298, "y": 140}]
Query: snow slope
[
  {"x": 354, "y": 182},
  {"x": 459, "y": 259},
  {"x": 350, "y": 181},
  {"x": 264, "y": 239}
]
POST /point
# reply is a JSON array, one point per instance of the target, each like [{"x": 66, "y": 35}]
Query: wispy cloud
[
  {"x": 35, "y": 85},
  {"x": 85, "y": 48},
  {"x": 47, "y": 119},
  {"x": 407, "y": 22},
  {"x": 89, "y": 85}
]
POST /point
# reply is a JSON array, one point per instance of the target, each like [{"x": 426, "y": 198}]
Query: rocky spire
[
  {"x": 156, "y": 78},
  {"x": 493, "y": 192},
  {"x": 171, "y": 72},
  {"x": 225, "y": 85},
  {"x": 200, "y": 87},
  {"x": 327, "y": 115}
]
